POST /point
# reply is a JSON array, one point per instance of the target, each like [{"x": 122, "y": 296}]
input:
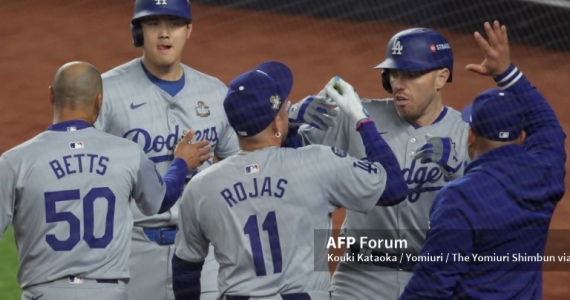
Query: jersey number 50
[
  {"x": 251, "y": 228},
  {"x": 52, "y": 216}
]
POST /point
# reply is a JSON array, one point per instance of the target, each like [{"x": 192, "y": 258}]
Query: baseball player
[
  {"x": 153, "y": 101},
  {"x": 67, "y": 193},
  {"x": 497, "y": 215},
  {"x": 429, "y": 140},
  {"x": 261, "y": 217}
]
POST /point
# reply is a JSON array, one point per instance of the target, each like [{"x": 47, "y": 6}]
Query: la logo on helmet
[
  {"x": 397, "y": 48},
  {"x": 160, "y": 2}
]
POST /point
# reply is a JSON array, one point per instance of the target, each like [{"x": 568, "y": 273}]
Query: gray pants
[
  {"x": 314, "y": 295},
  {"x": 151, "y": 271},
  {"x": 88, "y": 289},
  {"x": 354, "y": 281}
]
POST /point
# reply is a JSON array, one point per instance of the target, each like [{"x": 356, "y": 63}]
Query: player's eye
[
  {"x": 413, "y": 74},
  {"x": 151, "y": 22},
  {"x": 178, "y": 22},
  {"x": 395, "y": 74}
]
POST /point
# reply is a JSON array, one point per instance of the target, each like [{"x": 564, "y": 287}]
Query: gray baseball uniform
[
  {"x": 407, "y": 220},
  {"x": 262, "y": 215},
  {"x": 137, "y": 109},
  {"x": 67, "y": 192}
]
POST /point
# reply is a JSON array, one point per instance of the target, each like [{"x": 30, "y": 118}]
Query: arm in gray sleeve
[
  {"x": 150, "y": 186},
  {"x": 7, "y": 195}
]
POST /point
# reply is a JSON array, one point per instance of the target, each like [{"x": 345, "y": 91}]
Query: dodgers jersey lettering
[
  {"x": 68, "y": 193},
  {"x": 261, "y": 217},
  {"x": 137, "y": 109},
  {"x": 409, "y": 219}
]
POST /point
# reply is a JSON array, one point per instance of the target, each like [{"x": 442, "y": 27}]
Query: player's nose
[
  {"x": 397, "y": 82},
  {"x": 163, "y": 30}
]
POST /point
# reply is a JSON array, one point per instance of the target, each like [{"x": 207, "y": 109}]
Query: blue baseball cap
[
  {"x": 496, "y": 115},
  {"x": 255, "y": 97}
]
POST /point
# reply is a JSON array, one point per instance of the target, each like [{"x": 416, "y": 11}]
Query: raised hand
[
  {"x": 194, "y": 154},
  {"x": 317, "y": 111},
  {"x": 496, "y": 50},
  {"x": 346, "y": 98}
]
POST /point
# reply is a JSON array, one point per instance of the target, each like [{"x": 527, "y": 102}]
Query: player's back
[
  {"x": 72, "y": 217},
  {"x": 260, "y": 211}
]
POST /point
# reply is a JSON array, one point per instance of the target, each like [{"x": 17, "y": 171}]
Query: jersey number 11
[{"x": 251, "y": 228}]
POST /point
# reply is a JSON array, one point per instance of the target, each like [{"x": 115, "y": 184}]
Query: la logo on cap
[{"x": 276, "y": 101}]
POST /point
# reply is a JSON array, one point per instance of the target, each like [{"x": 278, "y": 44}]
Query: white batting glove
[{"x": 346, "y": 98}]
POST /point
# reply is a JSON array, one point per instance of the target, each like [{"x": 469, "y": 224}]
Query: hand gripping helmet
[
  {"x": 146, "y": 8},
  {"x": 416, "y": 49}
]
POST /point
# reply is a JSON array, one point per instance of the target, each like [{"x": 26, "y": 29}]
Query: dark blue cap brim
[{"x": 466, "y": 113}]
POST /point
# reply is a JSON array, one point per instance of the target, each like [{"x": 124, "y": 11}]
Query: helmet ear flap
[
  {"x": 138, "y": 38},
  {"x": 386, "y": 81}
]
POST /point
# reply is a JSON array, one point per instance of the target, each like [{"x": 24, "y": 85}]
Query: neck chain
[{"x": 244, "y": 152}]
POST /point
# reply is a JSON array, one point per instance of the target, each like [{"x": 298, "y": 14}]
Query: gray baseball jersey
[
  {"x": 137, "y": 109},
  {"x": 67, "y": 194},
  {"x": 409, "y": 219},
  {"x": 259, "y": 210}
]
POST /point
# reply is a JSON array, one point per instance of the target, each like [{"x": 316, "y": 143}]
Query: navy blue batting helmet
[
  {"x": 147, "y": 8},
  {"x": 417, "y": 49}
]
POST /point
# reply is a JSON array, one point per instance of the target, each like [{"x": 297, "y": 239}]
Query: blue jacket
[{"x": 499, "y": 211}]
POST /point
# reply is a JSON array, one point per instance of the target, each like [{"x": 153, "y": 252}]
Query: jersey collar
[
  {"x": 71, "y": 125},
  {"x": 439, "y": 118}
]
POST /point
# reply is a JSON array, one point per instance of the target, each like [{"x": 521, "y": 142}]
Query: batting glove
[
  {"x": 440, "y": 150},
  {"x": 346, "y": 98},
  {"x": 316, "y": 111}
]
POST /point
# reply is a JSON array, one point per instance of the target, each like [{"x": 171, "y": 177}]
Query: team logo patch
[
  {"x": 276, "y": 101},
  {"x": 160, "y": 2},
  {"x": 135, "y": 106},
  {"x": 338, "y": 152},
  {"x": 438, "y": 47},
  {"x": 254, "y": 168},
  {"x": 76, "y": 145},
  {"x": 503, "y": 135},
  {"x": 397, "y": 47},
  {"x": 202, "y": 110},
  {"x": 71, "y": 128}
]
